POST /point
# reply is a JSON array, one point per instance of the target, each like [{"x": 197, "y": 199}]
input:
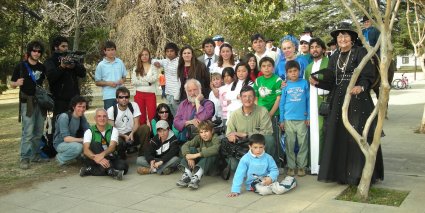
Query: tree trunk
[
  {"x": 77, "y": 26},
  {"x": 422, "y": 60},
  {"x": 364, "y": 185},
  {"x": 422, "y": 128}
]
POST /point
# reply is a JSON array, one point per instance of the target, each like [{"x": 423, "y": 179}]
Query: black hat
[
  {"x": 345, "y": 27},
  {"x": 365, "y": 18},
  {"x": 332, "y": 42},
  {"x": 307, "y": 30}
]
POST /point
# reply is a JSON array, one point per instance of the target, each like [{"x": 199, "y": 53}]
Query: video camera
[{"x": 72, "y": 57}]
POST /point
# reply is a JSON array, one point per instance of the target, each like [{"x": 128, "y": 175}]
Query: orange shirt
[{"x": 161, "y": 79}]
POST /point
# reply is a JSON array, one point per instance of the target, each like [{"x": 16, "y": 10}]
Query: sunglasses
[
  {"x": 36, "y": 51},
  {"x": 126, "y": 97},
  {"x": 162, "y": 112},
  {"x": 303, "y": 42}
]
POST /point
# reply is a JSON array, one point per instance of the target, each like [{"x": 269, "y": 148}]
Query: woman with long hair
[
  {"x": 163, "y": 112},
  {"x": 144, "y": 78},
  {"x": 190, "y": 67},
  {"x": 242, "y": 79},
  {"x": 225, "y": 59},
  {"x": 251, "y": 60}
]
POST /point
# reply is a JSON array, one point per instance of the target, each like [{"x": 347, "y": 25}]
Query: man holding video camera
[{"x": 63, "y": 71}]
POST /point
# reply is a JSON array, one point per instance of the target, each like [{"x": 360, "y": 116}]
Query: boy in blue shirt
[
  {"x": 110, "y": 74},
  {"x": 257, "y": 167},
  {"x": 294, "y": 118}
]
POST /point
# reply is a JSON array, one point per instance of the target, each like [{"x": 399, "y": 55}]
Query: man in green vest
[
  {"x": 99, "y": 145},
  {"x": 317, "y": 96}
]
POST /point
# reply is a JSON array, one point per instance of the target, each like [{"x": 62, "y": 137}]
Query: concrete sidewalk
[{"x": 404, "y": 156}]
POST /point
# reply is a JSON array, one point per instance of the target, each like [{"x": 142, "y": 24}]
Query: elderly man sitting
[
  {"x": 250, "y": 119},
  {"x": 192, "y": 110}
]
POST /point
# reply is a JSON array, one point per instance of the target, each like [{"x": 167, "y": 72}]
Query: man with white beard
[
  {"x": 194, "y": 109},
  {"x": 317, "y": 96}
]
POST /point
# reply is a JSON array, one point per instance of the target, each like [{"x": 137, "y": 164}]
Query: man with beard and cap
[
  {"x": 192, "y": 110},
  {"x": 317, "y": 96}
]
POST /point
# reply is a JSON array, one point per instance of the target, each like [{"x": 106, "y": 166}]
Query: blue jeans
[
  {"x": 108, "y": 103},
  {"x": 68, "y": 151},
  {"x": 32, "y": 130},
  {"x": 173, "y": 104},
  {"x": 173, "y": 162}
]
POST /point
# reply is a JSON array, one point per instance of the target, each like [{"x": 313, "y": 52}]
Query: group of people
[{"x": 270, "y": 97}]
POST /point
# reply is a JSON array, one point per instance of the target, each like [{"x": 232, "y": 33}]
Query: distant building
[{"x": 408, "y": 61}]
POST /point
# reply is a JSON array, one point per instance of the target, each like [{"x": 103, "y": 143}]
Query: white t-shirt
[
  {"x": 125, "y": 121},
  {"x": 114, "y": 137}
]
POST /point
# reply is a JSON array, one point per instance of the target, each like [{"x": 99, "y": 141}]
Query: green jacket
[
  {"x": 323, "y": 65},
  {"x": 206, "y": 148}
]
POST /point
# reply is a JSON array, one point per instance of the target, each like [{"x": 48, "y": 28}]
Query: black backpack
[{"x": 130, "y": 106}]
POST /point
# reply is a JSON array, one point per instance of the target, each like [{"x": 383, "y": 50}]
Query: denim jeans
[
  {"x": 173, "y": 162},
  {"x": 173, "y": 104},
  {"x": 108, "y": 103},
  {"x": 68, "y": 151},
  {"x": 32, "y": 130}
]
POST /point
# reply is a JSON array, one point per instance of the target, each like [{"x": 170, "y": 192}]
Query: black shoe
[
  {"x": 85, "y": 171},
  {"x": 116, "y": 174}
]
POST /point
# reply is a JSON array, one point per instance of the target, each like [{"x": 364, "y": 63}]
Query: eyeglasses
[
  {"x": 36, "y": 51},
  {"x": 162, "y": 112},
  {"x": 126, "y": 97}
]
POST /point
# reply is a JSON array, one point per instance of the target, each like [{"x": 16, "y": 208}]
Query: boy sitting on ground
[
  {"x": 260, "y": 171},
  {"x": 199, "y": 156},
  {"x": 161, "y": 153}
]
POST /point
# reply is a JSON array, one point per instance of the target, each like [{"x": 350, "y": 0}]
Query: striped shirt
[{"x": 172, "y": 86}]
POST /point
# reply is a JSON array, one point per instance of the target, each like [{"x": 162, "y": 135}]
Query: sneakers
[
  {"x": 85, "y": 171},
  {"x": 301, "y": 172},
  {"x": 116, "y": 174},
  {"x": 39, "y": 159},
  {"x": 143, "y": 170},
  {"x": 194, "y": 182},
  {"x": 24, "y": 164},
  {"x": 291, "y": 172},
  {"x": 184, "y": 180}
]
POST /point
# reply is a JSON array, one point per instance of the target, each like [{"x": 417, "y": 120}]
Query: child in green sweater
[{"x": 199, "y": 155}]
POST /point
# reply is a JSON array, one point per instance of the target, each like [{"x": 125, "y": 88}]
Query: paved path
[{"x": 404, "y": 156}]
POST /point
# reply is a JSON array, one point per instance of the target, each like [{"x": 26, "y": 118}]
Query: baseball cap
[
  {"x": 306, "y": 38},
  {"x": 162, "y": 124}
]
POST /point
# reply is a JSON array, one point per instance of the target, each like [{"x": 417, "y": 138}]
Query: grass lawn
[
  {"x": 11, "y": 176},
  {"x": 380, "y": 196}
]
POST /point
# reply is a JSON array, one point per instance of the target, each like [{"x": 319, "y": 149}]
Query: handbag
[
  {"x": 325, "y": 106},
  {"x": 42, "y": 96}
]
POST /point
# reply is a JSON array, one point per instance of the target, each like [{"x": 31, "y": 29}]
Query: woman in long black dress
[{"x": 342, "y": 160}]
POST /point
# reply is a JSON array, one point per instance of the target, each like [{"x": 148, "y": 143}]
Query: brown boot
[{"x": 143, "y": 170}]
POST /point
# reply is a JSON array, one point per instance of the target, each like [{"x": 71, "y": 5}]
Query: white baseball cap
[
  {"x": 162, "y": 124},
  {"x": 306, "y": 38}
]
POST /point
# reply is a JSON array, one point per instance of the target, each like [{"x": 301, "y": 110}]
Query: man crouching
[{"x": 100, "y": 143}]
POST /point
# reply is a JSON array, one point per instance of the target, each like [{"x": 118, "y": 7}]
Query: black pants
[{"x": 98, "y": 170}]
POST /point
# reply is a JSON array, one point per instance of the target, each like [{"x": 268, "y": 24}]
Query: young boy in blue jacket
[
  {"x": 257, "y": 167},
  {"x": 294, "y": 118}
]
